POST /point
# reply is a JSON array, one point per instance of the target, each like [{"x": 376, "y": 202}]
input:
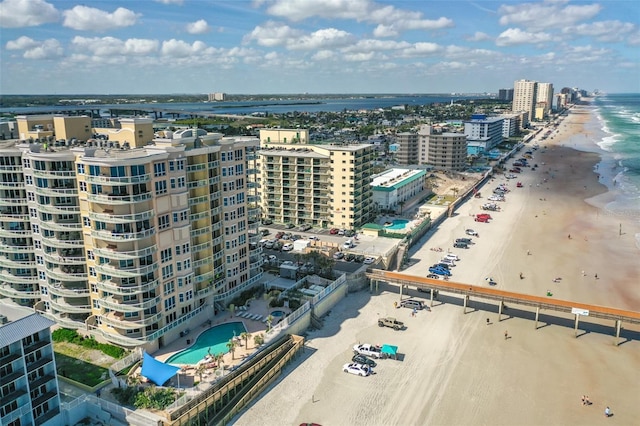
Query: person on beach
[
  {"x": 596, "y": 276},
  {"x": 506, "y": 335},
  {"x": 488, "y": 321},
  {"x": 607, "y": 412}
]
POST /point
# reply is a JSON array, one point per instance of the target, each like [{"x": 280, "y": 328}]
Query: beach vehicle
[
  {"x": 368, "y": 350},
  {"x": 441, "y": 265},
  {"x": 452, "y": 256},
  {"x": 440, "y": 271},
  {"x": 432, "y": 276},
  {"x": 496, "y": 197},
  {"x": 357, "y": 369},
  {"x": 465, "y": 240},
  {"x": 482, "y": 219},
  {"x": 460, "y": 245},
  {"x": 470, "y": 232},
  {"x": 510, "y": 176},
  {"x": 391, "y": 323},
  {"x": 515, "y": 170},
  {"x": 447, "y": 261},
  {"x": 412, "y": 304},
  {"x": 361, "y": 359},
  {"x": 490, "y": 206},
  {"x": 519, "y": 185}
]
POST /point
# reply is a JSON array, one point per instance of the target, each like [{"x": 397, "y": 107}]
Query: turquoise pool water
[
  {"x": 214, "y": 339},
  {"x": 397, "y": 224}
]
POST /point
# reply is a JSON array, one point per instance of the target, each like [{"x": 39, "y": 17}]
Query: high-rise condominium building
[
  {"x": 129, "y": 243},
  {"x": 320, "y": 185},
  {"x": 544, "y": 98},
  {"x": 408, "y": 151},
  {"x": 28, "y": 379},
  {"x": 525, "y": 97},
  {"x": 442, "y": 150}
]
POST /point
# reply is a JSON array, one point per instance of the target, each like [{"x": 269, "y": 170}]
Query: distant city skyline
[{"x": 330, "y": 46}]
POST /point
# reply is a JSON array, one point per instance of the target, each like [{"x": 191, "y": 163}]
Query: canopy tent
[
  {"x": 156, "y": 371},
  {"x": 389, "y": 350}
]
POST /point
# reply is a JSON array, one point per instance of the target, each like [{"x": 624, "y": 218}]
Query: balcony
[
  {"x": 59, "y": 209},
  {"x": 8, "y": 291},
  {"x": 58, "y": 243},
  {"x": 62, "y": 291},
  {"x": 17, "y": 279},
  {"x": 114, "y": 199},
  {"x": 116, "y": 304},
  {"x": 107, "y": 235},
  {"x": 61, "y": 305},
  {"x": 111, "y": 253},
  {"x": 11, "y": 185},
  {"x": 6, "y": 201},
  {"x": 119, "y": 289},
  {"x": 68, "y": 273},
  {"x": 117, "y": 271},
  {"x": 55, "y": 173},
  {"x": 118, "y": 180},
  {"x": 57, "y": 226},
  {"x": 117, "y": 320},
  {"x": 123, "y": 218},
  {"x": 16, "y": 248},
  {"x": 64, "y": 260},
  {"x": 5, "y": 262},
  {"x": 57, "y": 192}
]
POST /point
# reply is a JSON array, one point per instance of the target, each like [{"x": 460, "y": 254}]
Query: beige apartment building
[
  {"x": 408, "y": 151},
  {"x": 130, "y": 244},
  {"x": 323, "y": 185},
  {"x": 524, "y": 97},
  {"x": 442, "y": 150},
  {"x": 544, "y": 99}
]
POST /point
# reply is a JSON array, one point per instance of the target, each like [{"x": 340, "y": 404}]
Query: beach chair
[
  {"x": 258, "y": 317},
  {"x": 245, "y": 315}
]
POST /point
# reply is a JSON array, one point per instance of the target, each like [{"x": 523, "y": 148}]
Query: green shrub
[
  {"x": 72, "y": 336},
  {"x": 125, "y": 396},
  {"x": 156, "y": 398},
  {"x": 294, "y": 304}
]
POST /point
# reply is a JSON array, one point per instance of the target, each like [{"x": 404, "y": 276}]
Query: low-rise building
[
  {"x": 392, "y": 188},
  {"x": 483, "y": 133},
  {"x": 442, "y": 150}
]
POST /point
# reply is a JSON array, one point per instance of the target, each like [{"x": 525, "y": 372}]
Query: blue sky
[{"x": 323, "y": 46}]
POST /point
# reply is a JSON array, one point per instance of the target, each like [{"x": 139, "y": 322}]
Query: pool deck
[{"x": 259, "y": 307}]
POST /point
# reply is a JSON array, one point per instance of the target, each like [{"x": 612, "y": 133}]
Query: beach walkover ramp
[{"x": 501, "y": 296}]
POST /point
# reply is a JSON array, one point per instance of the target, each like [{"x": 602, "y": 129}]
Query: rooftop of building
[
  {"x": 396, "y": 178},
  {"x": 18, "y": 322}
]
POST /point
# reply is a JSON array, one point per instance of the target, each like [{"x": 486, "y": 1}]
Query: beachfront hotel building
[
  {"x": 130, "y": 242},
  {"x": 408, "y": 151},
  {"x": 442, "y": 150},
  {"x": 483, "y": 133},
  {"x": 29, "y": 392},
  {"x": 322, "y": 185},
  {"x": 525, "y": 97},
  {"x": 544, "y": 99},
  {"x": 392, "y": 188}
]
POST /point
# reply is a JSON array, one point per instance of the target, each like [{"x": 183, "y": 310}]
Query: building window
[
  {"x": 163, "y": 221},
  {"x": 161, "y": 187},
  {"x": 86, "y": 221},
  {"x": 159, "y": 169}
]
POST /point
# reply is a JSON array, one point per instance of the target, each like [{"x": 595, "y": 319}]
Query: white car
[
  {"x": 313, "y": 237},
  {"x": 448, "y": 261},
  {"x": 272, "y": 258},
  {"x": 369, "y": 350},
  {"x": 511, "y": 176},
  {"x": 471, "y": 232},
  {"x": 287, "y": 247},
  {"x": 369, "y": 260},
  {"x": 357, "y": 369},
  {"x": 451, "y": 256}
]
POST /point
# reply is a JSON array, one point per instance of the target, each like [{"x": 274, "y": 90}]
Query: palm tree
[
  {"x": 455, "y": 191},
  {"x": 219, "y": 358},
  {"x": 231, "y": 345},
  {"x": 269, "y": 321},
  {"x": 200, "y": 369},
  {"x": 258, "y": 339},
  {"x": 245, "y": 336}
]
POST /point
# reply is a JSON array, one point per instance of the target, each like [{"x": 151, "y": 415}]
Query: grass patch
[{"x": 80, "y": 371}]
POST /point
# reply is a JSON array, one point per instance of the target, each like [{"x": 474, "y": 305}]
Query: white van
[{"x": 348, "y": 244}]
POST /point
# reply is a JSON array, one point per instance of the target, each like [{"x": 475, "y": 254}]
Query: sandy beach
[{"x": 456, "y": 369}]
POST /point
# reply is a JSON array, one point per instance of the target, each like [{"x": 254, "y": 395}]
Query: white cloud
[
  {"x": 181, "y": 49},
  {"x": 515, "y": 36},
  {"x": 321, "y": 39},
  {"x": 479, "y": 36},
  {"x": 111, "y": 46},
  {"x": 605, "y": 31},
  {"x": 323, "y": 55},
  {"x": 548, "y": 14},
  {"x": 373, "y": 45},
  {"x": 358, "y": 57},
  {"x": 27, "y": 13},
  {"x": 272, "y": 34},
  {"x": 391, "y": 20},
  {"x": 421, "y": 49},
  {"x": 85, "y": 18},
  {"x": 33, "y": 49},
  {"x": 198, "y": 27}
]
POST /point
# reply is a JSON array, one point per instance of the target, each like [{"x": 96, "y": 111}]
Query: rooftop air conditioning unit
[{"x": 3, "y": 319}]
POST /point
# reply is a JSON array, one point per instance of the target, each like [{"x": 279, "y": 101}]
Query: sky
[{"x": 315, "y": 46}]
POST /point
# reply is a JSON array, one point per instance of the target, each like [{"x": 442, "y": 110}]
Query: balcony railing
[
  {"x": 118, "y": 180},
  {"x": 107, "y": 235},
  {"x": 125, "y": 255},
  {"x": 115, "y": 288},
  {"x": 64, "y": 260},
  {"x": 119, "y": 199},
  {"x": 116, "y": 271},
  {"x": 17, "y": 279},
  {"x": 121, "y": 306},
  {"x": 59, "y": 274},
  {"x": 61, "y": 291},
  {"x": 59, "y": 209},
  {"x": 8, "y": 291},
  {"x": 62, "y": 306},
  {"x": 119, "y": 321},
  {"x": 123, "y": 218},
  {"x": 10, "y": 263},
  {"x": 57, "y": 226}
]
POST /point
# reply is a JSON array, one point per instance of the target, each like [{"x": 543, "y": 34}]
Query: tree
[
  {"x": 269, "y": 321},
  {"x": 245, "y": 336},
  {"x": 231, "y": 345},
  {"x": 200, "y": 370},
  {"x": 258, "y": 339},
  {"x": 455, "y": 191}
]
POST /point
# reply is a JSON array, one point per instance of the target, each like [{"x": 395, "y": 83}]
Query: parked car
[
  {"x": 341, "y": 231},
  {"x": 412, "y": 304},
  {"x": 452, "y": 256},
  {"x": 350, "y": 257},
  {"x": 432, "y": 276},
  {"x": 460, "y": 245},
  {"x": 348, "y": 244},
  {"x": 338, "y": 255},
  {"x": 290, "y": 226},
  {"x": 272, "y": 258},
  {"x": 368, "y": 350},
  {"x": 447, "y": 261},
  {"x": 471, "y": 232},
  {"x": 349, "y": 233},
  {"x": 287, "y": 247},
  {"x": 463, "y": 240},
  {"x": 279, "y": 235},
  {"x": 269, "y": 244},
  {"x": 369, "y": 260},
  {"x": 440, "y": 271},
  {"x": 483, "y": 219},
  {"x": 267, "y": 221},
  {"x": 334, "y": 231},
  {"x": 305, "y": 227},
  {"x": 265, "y": 232},
  {"x": 361, "y": 359},
  {"x": 391, "y": 323},
  {"x": 313, "y": 238},
  {"x": 357, "y": 369}
]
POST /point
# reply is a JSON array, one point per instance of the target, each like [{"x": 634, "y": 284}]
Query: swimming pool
[
  {"x": 397, "y": 224},
  {"x": 278, "y": 313},
  {"x": 214, "y": 340}
]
